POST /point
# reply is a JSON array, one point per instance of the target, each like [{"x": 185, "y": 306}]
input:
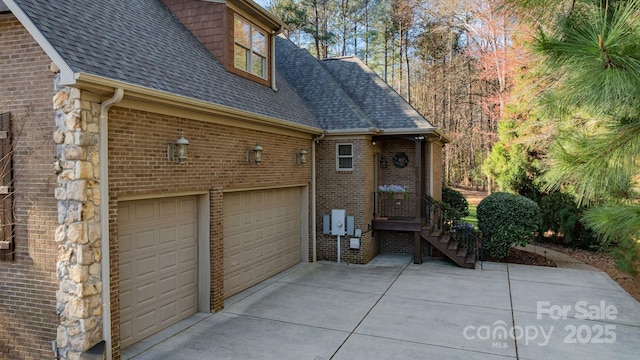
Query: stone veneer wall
[{"x": 79, "y": 298}]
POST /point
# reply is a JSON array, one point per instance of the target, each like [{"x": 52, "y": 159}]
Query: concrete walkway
[{"x": 393, "y": 309}]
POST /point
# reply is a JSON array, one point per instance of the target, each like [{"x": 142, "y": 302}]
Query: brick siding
[
  {"x": 349, "y": 190},
  {"x": 405, "y": 176},
  {"x": 395, "y": 242},
  {"x": 216, "y": 162},
  {"x": 28, "y": 284}
]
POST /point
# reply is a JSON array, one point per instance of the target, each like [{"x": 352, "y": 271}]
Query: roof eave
[
  {"x": 149, "y": 94},
  {"x": 358, "y": 131},
  {"x": 274, "y": 22},
  {"x": 66, "y": 74},
  {"x": 417, "y": 131}
]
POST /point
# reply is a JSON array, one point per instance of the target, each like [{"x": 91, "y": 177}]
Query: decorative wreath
[{"x": 400, "y": 160}]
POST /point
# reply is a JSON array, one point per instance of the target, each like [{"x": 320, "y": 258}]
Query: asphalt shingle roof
[
  {"x": 332, "y": 107},
  {"x": 344, "y": 93},
  {"x": 142, "y": 43},
  {"x": 383, "y": 105}
]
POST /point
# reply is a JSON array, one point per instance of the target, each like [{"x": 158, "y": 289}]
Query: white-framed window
[
  {"x": 344, "y": 157},
  {"x": 250, "y": 48}
]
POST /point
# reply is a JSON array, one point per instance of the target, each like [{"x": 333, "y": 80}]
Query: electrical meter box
[{"x": 338, "y": 225}]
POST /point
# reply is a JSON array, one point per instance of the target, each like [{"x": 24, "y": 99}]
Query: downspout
[
  {"x": 104, "y": 216},
  {"x": 274, "y": 86},
  {"x": 314, "y": 227}
]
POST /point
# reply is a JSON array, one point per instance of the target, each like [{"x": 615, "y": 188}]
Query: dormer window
[{"x": 250, "y": 48}]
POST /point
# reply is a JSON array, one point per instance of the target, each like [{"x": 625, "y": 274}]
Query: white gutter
[
  {"x": 360, "y": 131},
  {"x": 149, "y": 94},
  {"x": 104, "y": 217},
  {"x": 417, "y": 131},
  {"x": 314, "y": 227}
]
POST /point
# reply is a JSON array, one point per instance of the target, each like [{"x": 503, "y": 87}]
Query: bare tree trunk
[
  {"x": 400, "y": 85},
  {"x": 366, "y": 31},
  {"x": 344, "y": 6},
  {"x": 325, "y": 30},
  {"x": 393, "y": 59},
  {"x": 386, "y": 55},
  {"x": 316, "y": 11},
  {"x": 406, "y": 57},
  {"x": 355, "y": 38}
]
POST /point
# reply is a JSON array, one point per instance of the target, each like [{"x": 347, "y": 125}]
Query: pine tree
[{"x": 591, "y": 56}]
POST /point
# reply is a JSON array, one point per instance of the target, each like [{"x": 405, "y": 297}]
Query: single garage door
[
  {"x": 158, "y": 264},
  {"x": 261, "y": 236}
]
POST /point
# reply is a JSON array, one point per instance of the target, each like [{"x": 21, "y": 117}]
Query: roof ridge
[
  {"x": 360, "y": 112},
  {"x": 368, "y": 72},
  {"x": 338, "y": 58},
  {"x": 318, "y": 63}
]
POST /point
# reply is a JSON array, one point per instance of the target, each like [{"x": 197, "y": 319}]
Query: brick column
[{"x": 79, "y": 297}]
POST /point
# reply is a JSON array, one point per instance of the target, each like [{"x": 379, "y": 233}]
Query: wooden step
[
  {"x": 462, "y": 252},
  {"x": 470, "y": 258},
  {"x": 443, "y": 239},
  {"x": 452, "y": 245},
  {"x": 449, "y": 248}
]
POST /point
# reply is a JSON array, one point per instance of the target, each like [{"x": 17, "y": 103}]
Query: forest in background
[
  {"x": 539, "y": 97},
  {"x": 453, "y": 60}
]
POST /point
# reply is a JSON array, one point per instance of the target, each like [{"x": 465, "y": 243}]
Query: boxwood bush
[
  {"x": 455, "y": 203},
  {"x": 506, "y": 220}
]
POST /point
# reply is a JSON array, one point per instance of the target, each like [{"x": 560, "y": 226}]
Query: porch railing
[
  {"x": 395, "y": 205},
  {"x": 467, "y": 239},
  {"x": 432, "y": 214},
  {"x": 463, "y": 233}
]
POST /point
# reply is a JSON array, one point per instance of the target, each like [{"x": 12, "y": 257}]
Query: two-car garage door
[{"x": 158, "y": 252}]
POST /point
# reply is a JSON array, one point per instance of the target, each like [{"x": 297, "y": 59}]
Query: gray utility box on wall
[
  {"x": 338, "y": 222},
  {"x": 326, "y": 225}
]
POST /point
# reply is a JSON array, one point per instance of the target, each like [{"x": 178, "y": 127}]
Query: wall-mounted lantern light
[
  {"x": 300, "y": 158},
  {"x": 177, "y": 152},
  {"x": 255, "y": 153},
  {"x": 383, "y": 162}
]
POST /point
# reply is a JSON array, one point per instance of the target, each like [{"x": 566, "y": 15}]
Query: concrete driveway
[{"x": 393, "y": 309}]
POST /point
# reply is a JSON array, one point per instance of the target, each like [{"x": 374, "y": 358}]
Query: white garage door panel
[
  {"x": 261, "y": 236},
  {"x": 158, "y": 265}
]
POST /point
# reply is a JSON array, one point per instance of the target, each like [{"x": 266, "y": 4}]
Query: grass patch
[{"x": 473, "y": 217}]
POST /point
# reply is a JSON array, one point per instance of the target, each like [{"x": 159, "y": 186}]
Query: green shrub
[
  {"x": 455, "y": 203},
  {"x": 506, "y": 220},
  {"x": 561, "y": 215}
]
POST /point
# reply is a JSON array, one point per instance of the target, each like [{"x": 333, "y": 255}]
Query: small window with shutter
[{"x": 6, "y": 189}]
